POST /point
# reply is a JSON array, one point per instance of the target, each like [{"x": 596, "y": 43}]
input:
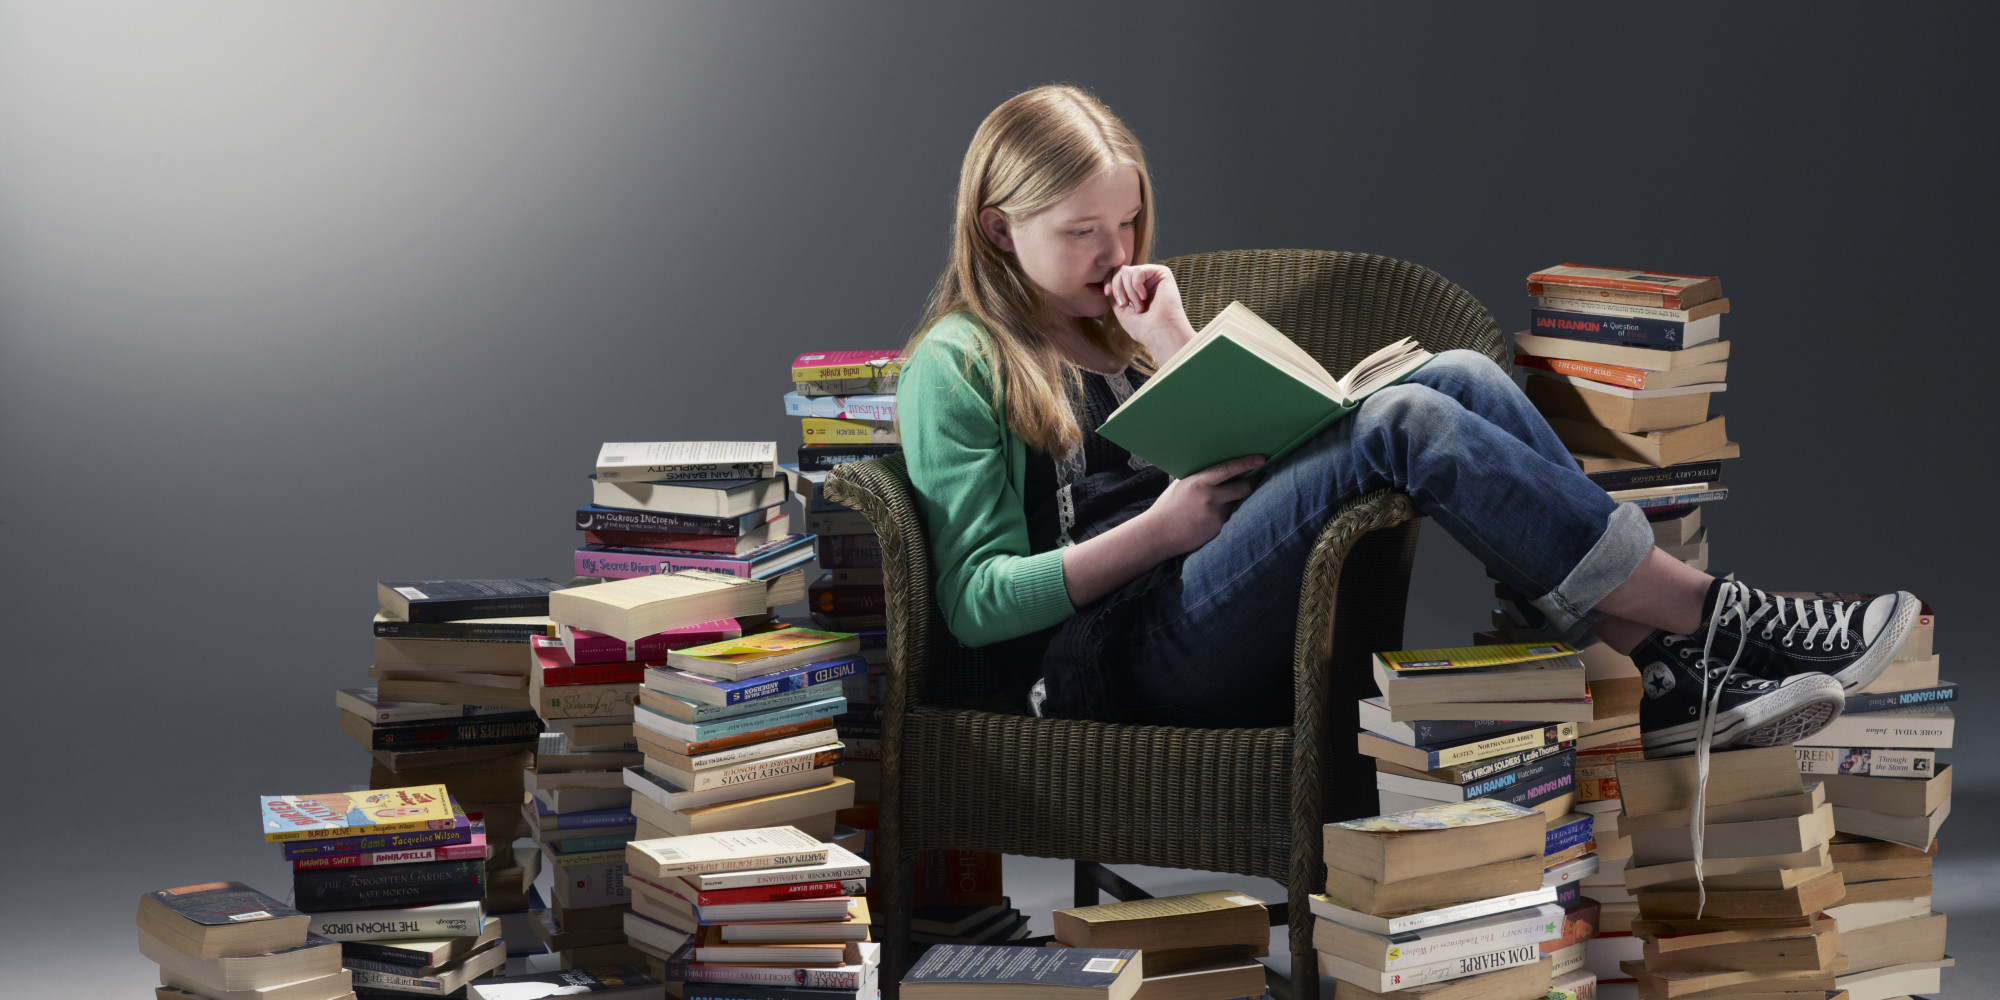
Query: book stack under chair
[
  {"x": 1022, "y": 972},
  {"x": 1878, "y": 763},
  {"x": 1753, "y": 923},
  {"x": 453, "y": 656},
  {"x": 225, "y": 940},
  {"x": 1624, "y": 364},
  {"x": 1199, "y": 946},
  {"x": 847, "y": 402},
  {"x": 761, "y": 914},
  {"x": 406, "y": 919},
  {"x": 1447, "y": 902},
  {"x": 663, "y": 506}
]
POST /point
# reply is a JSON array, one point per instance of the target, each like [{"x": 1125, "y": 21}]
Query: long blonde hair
[{"x": 1030, "y": 153}]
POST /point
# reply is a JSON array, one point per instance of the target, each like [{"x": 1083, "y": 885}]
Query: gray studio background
[{"x": 296, "y": 297}]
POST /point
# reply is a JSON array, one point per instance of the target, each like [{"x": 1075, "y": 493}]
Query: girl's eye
[
  {"x": 1080, "y": 233},
  {"x": 1129, "y": 223}
]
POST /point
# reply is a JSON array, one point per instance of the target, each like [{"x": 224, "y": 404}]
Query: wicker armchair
[{"x": 962, "y": 768}]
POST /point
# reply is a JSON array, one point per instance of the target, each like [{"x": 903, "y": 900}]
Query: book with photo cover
[{"x": 1242, "y": 387}]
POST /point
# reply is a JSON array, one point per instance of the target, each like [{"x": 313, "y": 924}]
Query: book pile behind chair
[
  {"x": 1199, "y": 946},
  {"x": 1624, "y": 364},
  {"x": 847, "y": 404},
  {"x": 1748, "y": 918},
  {"x": 663, "y": 506},
  {"x": 1878, "y": 762},
  {"x": 1443, "y": 902}
]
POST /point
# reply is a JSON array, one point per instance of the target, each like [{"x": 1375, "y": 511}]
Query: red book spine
[
  {"x": 725, "y": 544},
  {"x": 768, "y": 893},
  {"x": 596, "y": 647}
]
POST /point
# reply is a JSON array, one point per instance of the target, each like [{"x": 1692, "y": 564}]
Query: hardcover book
[
  {"x": 343, "y": 814},
  {"x": 683, "y": 461},
  {"x": 1241, "y": 388}
]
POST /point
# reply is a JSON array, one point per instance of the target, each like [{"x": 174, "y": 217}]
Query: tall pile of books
[
  {"x": 772, "y": 912},
  {"x": 664, "y": 506},
  {"x": 225, "y": 939},
  {"x": 408, "y": 920},
  {"x": 1878, "y": 762},
  {"x": 1200, "y": 946},
  {"x": 1446, "y": 902},
  {"x": 1624, "y": 364},
  {"x": 1752, "y": 921},
  {"x": 450, "y": 707}
]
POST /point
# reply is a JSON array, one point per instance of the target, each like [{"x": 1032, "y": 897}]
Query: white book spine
[
  {"x": 1454, "y": 941},
  {"x": 770, "y": 748},
  {"x": 1623, "y": 310},
  {"x": 644, "y": 461},
  {"x": 802, "y": 760},
  {"x": 732, "y": 850},
  {"x": 399, "y": 922},
  {"x": 1437, "y": 972}
]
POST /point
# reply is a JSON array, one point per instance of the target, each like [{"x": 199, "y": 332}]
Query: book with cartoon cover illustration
[{"x": 342, "y": 814}]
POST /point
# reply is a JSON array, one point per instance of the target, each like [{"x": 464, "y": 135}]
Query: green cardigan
[{"x": 968, "y": 470}]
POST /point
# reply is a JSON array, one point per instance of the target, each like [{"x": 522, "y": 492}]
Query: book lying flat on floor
[{"x": 1240, "y": 388}]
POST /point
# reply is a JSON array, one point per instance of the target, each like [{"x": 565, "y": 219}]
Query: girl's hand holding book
[
  {"x": 1147, "y": 303},
  {"x": 1192, "y": 510}
]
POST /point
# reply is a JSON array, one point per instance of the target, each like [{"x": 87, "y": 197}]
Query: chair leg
[{"x": 1092, "y": 877}]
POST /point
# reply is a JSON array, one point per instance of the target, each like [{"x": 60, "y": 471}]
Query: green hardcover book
[{"x": 1243, "y": 388}]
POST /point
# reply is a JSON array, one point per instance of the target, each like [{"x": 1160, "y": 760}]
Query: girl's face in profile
[{"x": 1069, "y": 248}]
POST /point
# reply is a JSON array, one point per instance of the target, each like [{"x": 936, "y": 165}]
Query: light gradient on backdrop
[{"x": 295, "y": 297}]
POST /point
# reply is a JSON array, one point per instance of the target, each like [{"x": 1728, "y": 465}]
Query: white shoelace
[
  {"x": 1751, "y": 606},
  {"x": 1732, "y": 597}
]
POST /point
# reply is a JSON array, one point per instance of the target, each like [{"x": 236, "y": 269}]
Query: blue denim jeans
[{"x": 1215, "y": 648}]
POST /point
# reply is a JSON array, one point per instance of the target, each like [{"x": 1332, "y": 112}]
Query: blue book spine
[
  {"x": 758, "y": 720},
  {"x": 1901, "y": 699},
  {"x": 1657, "y": 333},
  {"x": 586, "y": 845},
  {"x": 1568, "y": 835},
  {"x": 1680, "y": 499},
  {"x": 810, "y": 675},
  {"x": 1541, "y": 779},
  {"x": 1431, "y": 732},
  {"x": 592, "y": 820},
  {"x": 705, "y": 712}
]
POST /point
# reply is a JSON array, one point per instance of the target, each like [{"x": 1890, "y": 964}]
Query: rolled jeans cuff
[{"x": 1569, "y": 608}]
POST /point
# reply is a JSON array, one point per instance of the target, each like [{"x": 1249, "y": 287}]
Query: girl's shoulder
[{"x": 955, "y": 350}]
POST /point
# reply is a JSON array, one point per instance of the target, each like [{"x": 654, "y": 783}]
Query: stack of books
[
  {"x": 1624, "y": 364},
  {"x": 1752, "y": 922},
  {"x": 453, "y": 657},
  {"x": 1444, "y": 902},
  {"x": 1200, "y": 946},
  {"x": 604, "y": 982},
  {"x": 770, "y": 909},
  {"x": 408, "y": 919},
  {"x": 847, "y": 402},
  {"x": 225, "y": 939},
  {"x": 990, "y": 972},
  {"x": 663, "y": 506},
  {"x": 1890, "y": 794}
]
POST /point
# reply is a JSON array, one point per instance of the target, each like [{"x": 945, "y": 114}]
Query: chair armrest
[{"x": 880, "y": 489}]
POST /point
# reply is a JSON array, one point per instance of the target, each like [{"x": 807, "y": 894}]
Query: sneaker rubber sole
[{"x": 1795, "y": 711}]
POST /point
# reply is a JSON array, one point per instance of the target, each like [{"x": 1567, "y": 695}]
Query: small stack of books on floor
[
  {"x": 1199, "y": 946},
  {"x": 1624, "y": 364},
  {"x": 408, "y": 920},
  {"x": 847, "y": 402},
  {"x": 1752, "y": 922},
  {"x": 454, "y": 658},
  {"x": 224, "y": 939},
  {"x": 1020, "y": 972},
  {"x": 763, "y": 909},
  {"x": 1447, "y": 902},
  {"x": 1878, "y": 762},
  {"x": 663, "y": 506},
  {"x": 601, "y": 982}
]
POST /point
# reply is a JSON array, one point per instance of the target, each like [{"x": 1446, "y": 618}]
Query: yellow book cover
[
  {"x": 1447, "y": 816},
  {"x": 762, "y": 644},
  {"x": 345, "y": 814},
  {"x": 828, "y": 430},
  {"x": 1410, "y": 661},
  {"x": 846, "y": 364}
]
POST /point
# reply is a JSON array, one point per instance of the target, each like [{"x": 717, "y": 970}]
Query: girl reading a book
[{"x": 1128, "y": 596}]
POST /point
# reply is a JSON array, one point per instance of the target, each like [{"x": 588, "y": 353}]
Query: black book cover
[
  {"x": 465, "y": 631},
  {"x": 1435, "y": 732},
  {"x": 597, "y": 979},
  {"x": 1085, "y": 968},
  {"x": 595, "y": 518},
  {"x": 1672, "y": 475},
  {"x": 318, "y": 890},
  {"x": 821, "y": 457},
  {"x": 1531, "y": 784},
  {"x": 451, "y": 600},
  {"x": 1569, "y": 894},
  {"x": 479, "y": 730},
  {"x": 1882, "y": 700},
  {"x": 213, "y": 904}
]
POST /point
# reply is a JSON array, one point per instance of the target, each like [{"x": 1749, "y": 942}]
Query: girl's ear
[{"x": 993, "y": 223}]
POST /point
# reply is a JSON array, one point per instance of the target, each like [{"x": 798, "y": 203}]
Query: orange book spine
[{"x": 1630, "y": 378}]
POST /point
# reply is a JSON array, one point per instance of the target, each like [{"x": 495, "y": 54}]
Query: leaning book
[
  {"x": 1240, "y": 388},
  {"x": 342, "y": 814}
]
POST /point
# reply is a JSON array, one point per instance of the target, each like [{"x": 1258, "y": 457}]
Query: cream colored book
[{"x": 642, "y": 606}]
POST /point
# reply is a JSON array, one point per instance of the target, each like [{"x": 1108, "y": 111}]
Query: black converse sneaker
[
  {"x": 1778, "y": 637},
  {"x": 1747, "y": 710}
]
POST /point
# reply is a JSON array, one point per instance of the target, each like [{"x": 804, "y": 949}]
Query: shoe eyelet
[{"x": 1787, "y": 642}]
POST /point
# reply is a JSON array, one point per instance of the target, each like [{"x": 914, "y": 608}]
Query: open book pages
[{"x": 1238, "y": 323}]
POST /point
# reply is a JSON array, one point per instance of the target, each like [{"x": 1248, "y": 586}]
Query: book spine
[
  {"x": 686, "y": 472},
  {"x": 1667, "y": 299},
  {"x": 1655, "y": 333},
  {"x": 451, "y": 609},
  {"x": 1679, "y": 499},
  {"x": 710, "y": 881},
  {"x": 1457, "y": 968},
  {"x": 1901, "y": 699},
  {"x": 367, "y": 859},
  {"x": 1672, "y": 475},
  {"x": 1880, "y": 762},
  {"x": 318, "y": 891},
  {"x": 824, "y": 430},
  {"x": 595, "y": 518},
  {"x": 712, "y": 544},
  {"x": 461, "y": 733},
  {"x": 1432, "y": 732},
  {"x": 841, "y": 978},
  {"x": 718, "y": 777},
  {"x": 1506, "y": 762},
  {"x": 839, "y": 522},
  {"x": 1889, "y": 730},
  {"x": 1557, "y": 303},
  {"x": 867, "y": 386},
  {"x": 580, "y": 845},
  {"x": 387, "y": 969},
  {"x": 377, "y": 842},
  {"x": 397, "y": 923},
  {"x": 769, "y": 894},
  {"x": 1619, "y": 375},
  {"x": 596, "y": 819},
  {"x": 463, "y": 631},
  {"x": 619, "y": 671},
  {"x": 598, "y": 884},
  {"x": 756, "y": 722},
  {"x": 626, "y": 565},
  {"x": 395, "y": 981},
  {"x": 847, "y": 599},
  {"x": 1569, "y": 894},
  {"x": 876, "y": 407},
  {"x": 1568, "y": 835},
  {"x": 846, "y": 364},
  {"x": 811, "y": 676},
  {"x": 820, "y": 458},
  {"x": 754, "y": 751},
  {"x": 586, "y": 701},
  {"x": 1494, "y": 746},
  {"x": 1527, "y": 776}
]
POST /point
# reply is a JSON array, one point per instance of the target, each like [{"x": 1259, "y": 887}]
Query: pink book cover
[
  {"x": 587, "y": 647},
  {"x": 821, "y": 365},
  {"x": 468, "y": 851},
  {"x": 612, "y": 565}
]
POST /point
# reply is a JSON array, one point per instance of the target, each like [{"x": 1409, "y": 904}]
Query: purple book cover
[{"x": 459, "y": 833}]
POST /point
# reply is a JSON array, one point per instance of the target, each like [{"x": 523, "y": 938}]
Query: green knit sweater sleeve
[{"x": 968, "y": 471}]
